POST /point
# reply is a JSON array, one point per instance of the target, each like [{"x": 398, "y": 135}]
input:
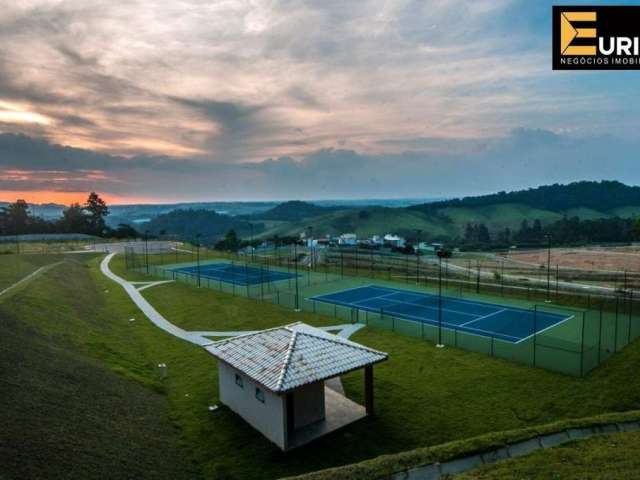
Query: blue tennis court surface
[
  {"x": 235, "y": 274},
  {"x": 511, "y": 324}
]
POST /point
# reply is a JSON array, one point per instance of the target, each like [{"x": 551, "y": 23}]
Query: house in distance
[{"x": 275, "y": 380}]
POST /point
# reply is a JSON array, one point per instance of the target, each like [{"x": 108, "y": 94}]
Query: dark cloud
[
  {"x": 21, "y": 152},
  {"x": 525, "y": 158}
]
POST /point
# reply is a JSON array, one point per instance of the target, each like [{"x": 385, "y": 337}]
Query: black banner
[{"x": 596, "y": 37}]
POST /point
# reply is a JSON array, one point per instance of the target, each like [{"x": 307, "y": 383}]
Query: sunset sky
[{"x": 243, "y": 100}]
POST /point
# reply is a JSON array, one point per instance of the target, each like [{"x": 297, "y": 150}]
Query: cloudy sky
[{"x": 256, "y": 99}]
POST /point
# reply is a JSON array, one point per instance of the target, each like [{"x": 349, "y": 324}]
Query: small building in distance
[
  {"x": 350, "y": 239},
  {"x": 275, "y": 380},
  {"x": 394, "y": 241}
]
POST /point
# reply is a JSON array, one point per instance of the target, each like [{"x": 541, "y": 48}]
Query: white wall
[{"x": 269, "y": 418}]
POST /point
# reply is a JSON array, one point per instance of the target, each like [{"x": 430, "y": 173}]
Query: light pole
[
  {"x": 548, "y": 300},
  {"x": 295, "y": 265},
  {"x": 440, "y": 344},
  {"x": 418, "y": 233},
  {"x": 251, "y": 244},
  {"x": 198, "y": 257},
  {"x": 146, "y": 250},
  {"x": 310, "y": 245}
]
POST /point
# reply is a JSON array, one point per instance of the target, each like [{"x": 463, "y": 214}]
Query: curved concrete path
[{"x": 200, "y": 338}]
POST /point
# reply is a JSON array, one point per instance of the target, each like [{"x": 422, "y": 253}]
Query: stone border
[{"x": 436, "y": 471}]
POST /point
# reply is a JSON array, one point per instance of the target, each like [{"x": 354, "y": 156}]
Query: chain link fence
[{"x": 594, "y": 329}]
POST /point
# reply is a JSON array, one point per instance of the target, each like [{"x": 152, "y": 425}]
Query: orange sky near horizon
[{"x": 67, "y": 198}]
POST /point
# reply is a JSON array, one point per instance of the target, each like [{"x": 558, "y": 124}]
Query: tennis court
[
  {"x": 234, "y": 274},
  {"x": 507, "y": 323}
]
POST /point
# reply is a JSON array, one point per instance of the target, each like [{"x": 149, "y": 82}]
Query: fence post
[
  {"x": 582, "y": 346},
  {"x": 615, "y": 335},
  {"x": 600, "y": 336},
  {"x": 630, "y": 315},
  {"x": 535, "y": 332}
]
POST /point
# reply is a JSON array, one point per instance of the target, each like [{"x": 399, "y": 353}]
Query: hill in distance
[
  {"x": 442, "y": 220},
  {"x": 295, "y": 210}
]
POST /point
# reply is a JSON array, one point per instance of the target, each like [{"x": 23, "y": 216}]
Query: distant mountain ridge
[
  {"x": 445, "y": 220},
  {"x": 602, "y": 196}
]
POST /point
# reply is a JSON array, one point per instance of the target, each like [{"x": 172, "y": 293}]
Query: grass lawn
[
  {"x": 66, "y": 415},
  {"x": 599, "y": 458},
  {"x": 15, "y": 267},
  {"x": 424, "y": 396}
]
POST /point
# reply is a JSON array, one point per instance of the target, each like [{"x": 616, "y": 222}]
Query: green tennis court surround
[{"x": 515, "y": 325}]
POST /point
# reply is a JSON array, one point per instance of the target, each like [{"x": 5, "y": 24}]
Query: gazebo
[{"x": 275, "y": 380}]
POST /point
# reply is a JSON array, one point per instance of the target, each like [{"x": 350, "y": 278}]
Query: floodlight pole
[
  {"x": 251, "y": 245},
  {"x": 310, "y": 245},
  {"x": 17, "y": 239},
  {"x": 548, "y": 300},
  {"x": 198, "y": 256},
  {"x": 418, "y": 233},
  {"x": 440, "y": 344},
  {"x": 295, "y": 264},
  {"x": 146, "y": 249}
]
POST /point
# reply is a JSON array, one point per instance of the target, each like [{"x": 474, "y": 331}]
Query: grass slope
[
  {"x": 63, "y": 414},
  {"x": 424, "y": 396},
  {"x": 379, "y": 220},
  {"x": 498, "y": 216},
  {"x": 13, "y": 268},
  {"x": 599, "y": 458},
  {"x": 366, "y": 222}
]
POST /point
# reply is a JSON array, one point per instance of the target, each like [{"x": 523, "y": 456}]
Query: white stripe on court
[
  {"x": 412, "y": 304},
  {"x": 485, "y": 316},
  {"x": 393, "y": 291},
  {"x": 547, "y": 328}
]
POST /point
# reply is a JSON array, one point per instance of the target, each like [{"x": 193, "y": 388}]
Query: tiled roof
[{"x": 288, "y": 357}]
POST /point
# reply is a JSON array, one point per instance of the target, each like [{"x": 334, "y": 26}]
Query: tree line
[
  {"x": 88, "y": 218},
  {"x": 601, "y": 196},
  {"x": 567, "y": 231}
]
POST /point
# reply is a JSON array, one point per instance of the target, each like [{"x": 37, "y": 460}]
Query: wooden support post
[{"x": 368, "y": 389}]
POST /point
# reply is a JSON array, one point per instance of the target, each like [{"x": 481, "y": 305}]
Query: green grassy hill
[
  {"x": 65, "y": 413},
  {"x": 83, "y": 398},
  {"x": 368, "y": 221},
  {"x": 447, "y": 219},
  {"x": 443, "y": 222}
]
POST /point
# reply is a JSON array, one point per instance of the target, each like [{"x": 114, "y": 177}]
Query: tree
[
  {"x": 230, "y": 242},
  {"x": 636, "y": 229},
  {"x": 16, "y": 218},
  {"x": 483, "y": 234},
  {"x": 74, "y": 220},
  {"x": 468, "y": 233},
  {"x": 98, "y": 210},
  {"x": 125, "y": 231}
]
